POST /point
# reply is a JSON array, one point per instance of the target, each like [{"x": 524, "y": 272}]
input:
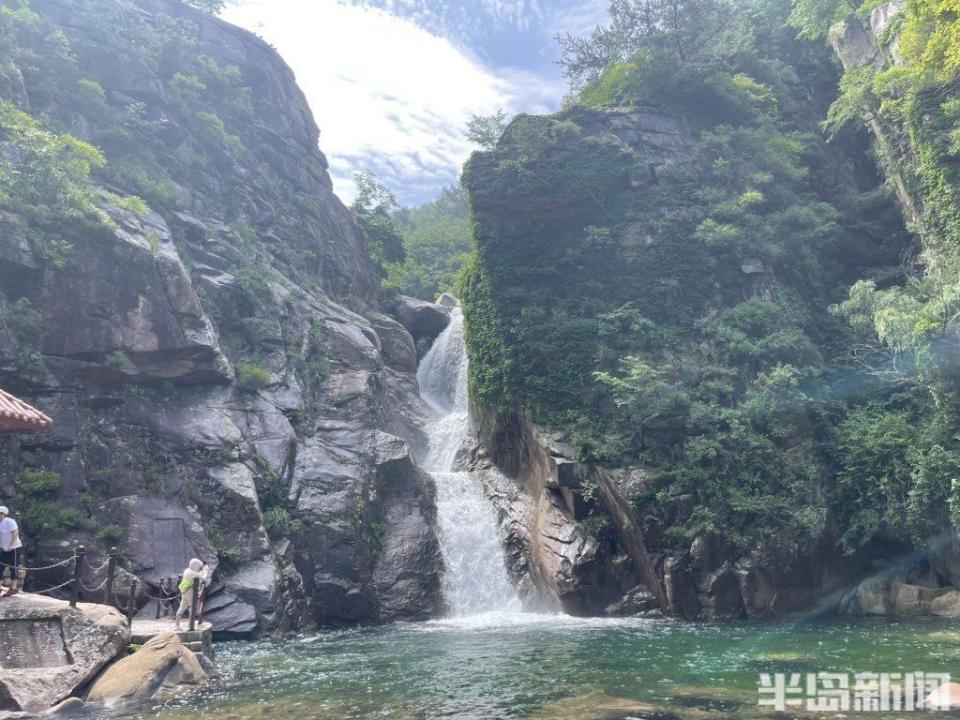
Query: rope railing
[
  {"x": 23, "y": 568},
  {"x": 168, "y": 596}
]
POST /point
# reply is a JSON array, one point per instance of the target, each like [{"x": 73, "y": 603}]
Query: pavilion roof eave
[{"x": 18, "y": 416}]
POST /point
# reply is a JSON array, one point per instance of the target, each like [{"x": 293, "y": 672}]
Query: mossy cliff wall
[{"x": 657, "y": 377}]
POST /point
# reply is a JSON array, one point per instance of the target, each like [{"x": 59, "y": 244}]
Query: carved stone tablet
[
  {"x": 169, "y": 546},
  {"x": 32, "y": 644}
]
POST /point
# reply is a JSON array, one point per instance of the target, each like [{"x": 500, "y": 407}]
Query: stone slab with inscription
[
  {"x": 160, "y": 536},
  {"x": 48, "y": 649}
]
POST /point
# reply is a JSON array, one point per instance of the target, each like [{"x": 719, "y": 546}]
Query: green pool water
[{"x": 549, "y": 667}]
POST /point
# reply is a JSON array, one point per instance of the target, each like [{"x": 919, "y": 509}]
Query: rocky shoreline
[{"x": 56, "y": 659}]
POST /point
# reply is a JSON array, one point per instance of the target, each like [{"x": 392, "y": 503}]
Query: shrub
[
  {"x": 252, "y": 377},
  {"x": 228, "y": 555},
  {"x": 279, "y": 524},
  {"x": 22, "y": 319},
  {"x": 111, "y": 534},
  {"x": 117, "y": 359},
  {"x": 132, "y": 203}
]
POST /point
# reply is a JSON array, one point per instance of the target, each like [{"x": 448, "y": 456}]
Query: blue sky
[{"x": 393, "y": 83}]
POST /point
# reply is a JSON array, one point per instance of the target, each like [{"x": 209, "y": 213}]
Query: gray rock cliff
[{"x": 221, "y": 381}]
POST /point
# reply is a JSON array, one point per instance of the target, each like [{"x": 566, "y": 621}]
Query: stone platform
[{"x": 200, "y": 640}]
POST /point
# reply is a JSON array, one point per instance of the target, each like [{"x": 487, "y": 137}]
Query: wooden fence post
[
  {"x": 194, "y": 602},
  {"x": 78, "y": 556},
  {"x": 162, "y": 595},
  {"x": 111, "y": 573},
  {"x": 132, "y": 602}
]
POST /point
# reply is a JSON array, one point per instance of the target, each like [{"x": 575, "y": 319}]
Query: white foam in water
[{"x": 475, "y": 580}]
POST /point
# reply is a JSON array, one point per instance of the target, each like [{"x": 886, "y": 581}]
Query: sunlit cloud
[{"x": 388, "y": 95}]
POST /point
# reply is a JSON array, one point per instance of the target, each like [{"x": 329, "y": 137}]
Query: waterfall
[{"x": 475, "y": 578}]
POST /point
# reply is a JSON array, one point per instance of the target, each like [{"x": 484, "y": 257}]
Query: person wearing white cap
[
  {"x": 11, "y": 549},
  {"x": 196, "y": 570}
]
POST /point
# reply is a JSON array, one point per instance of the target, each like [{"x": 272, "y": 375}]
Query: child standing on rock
[{"x": 197, "y": 570}]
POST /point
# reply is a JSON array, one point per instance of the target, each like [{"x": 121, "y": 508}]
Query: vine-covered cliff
[
  {"x": 183, "y": 293},
  {"x": 659, "y": 319}
]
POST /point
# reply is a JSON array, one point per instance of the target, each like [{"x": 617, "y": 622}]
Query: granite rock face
[
  {"x": 218, "y": 368},
  {"x": 49, "y": 649},
  {"x": 154, "y": 671}
]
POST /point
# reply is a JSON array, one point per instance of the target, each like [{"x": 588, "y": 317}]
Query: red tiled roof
[{"x": 16, "y": 415}]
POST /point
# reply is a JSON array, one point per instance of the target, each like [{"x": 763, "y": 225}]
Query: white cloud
[
  {"x": 388, "y": 95},
  {"x": 579, "y": 18}
]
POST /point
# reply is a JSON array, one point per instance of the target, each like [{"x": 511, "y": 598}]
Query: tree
[
  {"x": 436, "y": 240},
  {"x": 813, "y": 18},
  {"x": 373, "y": 210},
  {"x": 485, "y": 130},
  {"x": 647, "y": 400},
  {"x": 663, "y": 33}
]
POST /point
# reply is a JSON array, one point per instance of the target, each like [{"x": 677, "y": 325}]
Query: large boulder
[
  {"x": 48, "y": 650},
  {"x": 405, "y": 576},
  {"x": 873, "y": 596},
  {"x": 369, "y": 549},
  {"x": 231, "y": 617},
  {"x": 424, "y": 320},
  {"x": 159, "y": 667},
  {"x": 946, "y": 605},
  {"x": 448, "y": 301},
  {"x": 914, "y": 599}
]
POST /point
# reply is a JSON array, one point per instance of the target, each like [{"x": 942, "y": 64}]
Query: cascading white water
[{"x": 475, "y": 578}]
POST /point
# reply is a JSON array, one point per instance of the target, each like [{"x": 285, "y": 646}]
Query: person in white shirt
[
  {"x": 196, "y": 570},
  {"x": 11, "y": 550}
]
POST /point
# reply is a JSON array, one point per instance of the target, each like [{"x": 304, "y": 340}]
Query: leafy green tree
[
  {"x": 373, "y": 208},
  {"x": 648, "y": 400},
  {"x": 436, "y": 241},
  {"x": 485, "y": 130},
  {"x": 44, "y": 177},
  {"x": 813, "y": 18},
  {"x": 660, "y": 40}
]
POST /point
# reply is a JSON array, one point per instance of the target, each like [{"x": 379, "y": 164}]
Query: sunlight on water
[{"x": 548, "y": 667}]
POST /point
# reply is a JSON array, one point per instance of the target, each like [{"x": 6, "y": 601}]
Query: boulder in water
[
  {"x": 161, "y": 665},
  {"x": 422, "y": 319},
  {"x": 947, "y": 605},
  {"x": 914, "y": 599}
]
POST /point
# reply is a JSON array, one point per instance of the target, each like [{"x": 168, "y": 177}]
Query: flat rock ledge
[{"x": 48, "y": 650}]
